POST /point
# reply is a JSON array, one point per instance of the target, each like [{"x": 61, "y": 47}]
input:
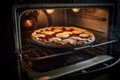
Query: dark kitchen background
[{"x": 8, "y": 56}]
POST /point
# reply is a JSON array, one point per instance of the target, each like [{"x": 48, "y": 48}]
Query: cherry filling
[
  {"x": 38, "y": 32},
  {"x": 71, "y": 29},
  {"x": 47, "y": 37}
]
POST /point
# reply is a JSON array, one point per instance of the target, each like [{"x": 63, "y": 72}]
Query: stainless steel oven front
[{"x": 44, "y": 63}]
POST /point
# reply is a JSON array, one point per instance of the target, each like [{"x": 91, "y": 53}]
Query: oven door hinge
[{"x": 19, "y": 64}]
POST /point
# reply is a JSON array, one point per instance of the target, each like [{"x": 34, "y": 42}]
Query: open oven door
[{"x": 96, "y": 64}]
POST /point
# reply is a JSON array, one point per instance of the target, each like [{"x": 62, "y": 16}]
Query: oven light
[
  {"x": 76, "y": 9},
  {"x": 50, "y": 11},
  {"x": 29, "y": 23}
]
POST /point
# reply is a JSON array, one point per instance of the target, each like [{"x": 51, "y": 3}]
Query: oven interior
[{"x": 55, "y": 62}]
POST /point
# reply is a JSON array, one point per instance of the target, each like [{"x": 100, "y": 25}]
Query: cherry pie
[{"x": 62, "y": 36}]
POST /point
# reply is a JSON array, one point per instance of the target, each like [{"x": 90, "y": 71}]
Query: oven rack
[{"x": 35, "y": 52}]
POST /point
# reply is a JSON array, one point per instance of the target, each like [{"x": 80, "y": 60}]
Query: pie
[{"x": 62, "y": 36}]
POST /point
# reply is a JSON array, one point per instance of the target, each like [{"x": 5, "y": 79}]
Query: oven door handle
[
  {"x": 98, "y": 69},
  {"x": 106, "y": 66}
]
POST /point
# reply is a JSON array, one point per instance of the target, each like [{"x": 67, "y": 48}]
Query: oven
[{"x": 41, "y": 62}]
